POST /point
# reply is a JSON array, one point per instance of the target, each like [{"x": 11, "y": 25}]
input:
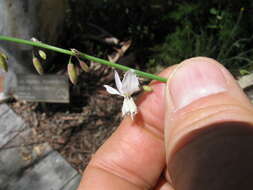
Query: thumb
[{"x": 208, "y": 128}]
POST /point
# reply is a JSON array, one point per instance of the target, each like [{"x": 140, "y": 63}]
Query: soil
[{"x": 75, "y": 130}]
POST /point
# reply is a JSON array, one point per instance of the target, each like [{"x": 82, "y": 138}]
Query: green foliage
[
  {"x": 166, "y": 32},
  {"x": 216, "y": 33},
  {"x": 139, "y": 21},
  {"x": 183, "y": 11}
]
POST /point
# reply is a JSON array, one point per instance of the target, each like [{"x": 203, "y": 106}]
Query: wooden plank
[
  {"x": 246, "y": 81},
  {"x": 73, "y": 183},
  {"x": 14, "y": 161},
  {"x": 10, "y": 125},
  {"x": 3, "y": 109},
  {"x": 30, "y": 167},
  {"x": 249, "y": 93},
  {"x": 51, "y": 173},
  {"x": 47, "y": 170}
]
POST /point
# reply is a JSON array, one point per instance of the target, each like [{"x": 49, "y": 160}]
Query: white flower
[{"x": 126, "y": 88}]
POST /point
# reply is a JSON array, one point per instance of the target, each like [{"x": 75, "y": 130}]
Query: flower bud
[
  {"x": 3, "y": 62},
  {"x": 37, "y": 65},
  {"x": 42, "y": 54},
  {"x": 83, "y": 65},
  {"x": 147, "y": 88},
  {"x": 4, "y": 55},
  {"x": 72, "y": 72},
  {"x": 34, "y": 39}
]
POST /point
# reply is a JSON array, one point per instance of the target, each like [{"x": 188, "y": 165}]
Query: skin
[{"x": 139, "y": 153}]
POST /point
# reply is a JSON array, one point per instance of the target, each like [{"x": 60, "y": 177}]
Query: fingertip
[
  {"x": 200, "y": 92},
  {"x": 199, "y": 77},
  {"x": 196, "y": 78}
]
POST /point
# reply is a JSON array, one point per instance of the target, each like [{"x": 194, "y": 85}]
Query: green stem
[{"x": 83, "y": 55}]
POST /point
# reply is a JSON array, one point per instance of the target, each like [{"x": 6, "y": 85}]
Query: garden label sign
[{"x": 45, "y": 88}]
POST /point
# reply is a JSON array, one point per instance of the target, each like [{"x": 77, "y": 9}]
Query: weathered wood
[
  {"x": 15, "y": 161},
  {"x": 246, "y": 81},
  {"x": 3, "y": 108},
  {"x": 73, "y": 183},
  {"x": 31, "y": 167},
  {"x": 50, "y": 173},
  {"x": 249, "y": 92},
  {"x": 10, "y": 125}
]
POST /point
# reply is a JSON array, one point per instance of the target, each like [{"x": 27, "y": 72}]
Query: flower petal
[
  {"x": 129, "y": 107},
  {"x": 130, "y": 83},
  {"x": 124, "y": 108},
  {"x": 111, "y": 90},
  {"x": 117, "y": 81}
]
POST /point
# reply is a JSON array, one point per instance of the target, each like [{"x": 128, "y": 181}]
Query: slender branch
[{"x": 83, "y": 55}]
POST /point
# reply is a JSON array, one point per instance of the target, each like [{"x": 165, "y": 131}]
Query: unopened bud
[
  {"x": 72, "y": 72},
  {"x": 43, "y": 54},
  {"x": 3, "y": 62},
  {"x": 34, "y": 39},
  {"x": 37, "y": 65},
  {"x": 83, "y": 65},
  {"x": 4, "y": 55},
  {"x": 147, "y": 88}
]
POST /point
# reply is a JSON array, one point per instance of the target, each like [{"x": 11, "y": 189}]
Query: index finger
[{"x": 133, "y": 157}]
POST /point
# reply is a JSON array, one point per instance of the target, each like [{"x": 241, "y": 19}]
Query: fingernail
[{"x": 193, "y": 80}]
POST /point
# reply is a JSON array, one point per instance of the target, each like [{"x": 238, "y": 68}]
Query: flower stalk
[{"x": 83, "y": 55}]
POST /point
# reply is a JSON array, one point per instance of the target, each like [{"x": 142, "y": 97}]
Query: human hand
[{"x": 196, "y": 135}]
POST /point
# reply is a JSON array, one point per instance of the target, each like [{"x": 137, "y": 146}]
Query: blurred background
[{"x": 165, "y": 32}]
